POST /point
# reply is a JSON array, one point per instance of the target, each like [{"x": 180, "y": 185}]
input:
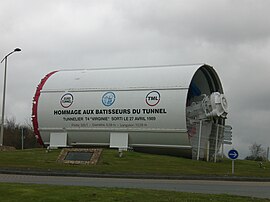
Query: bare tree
[
  {"x": 257, "y": 152},
  {"x": 11, "y": 123},
  {"x": 28, "y": 123}
]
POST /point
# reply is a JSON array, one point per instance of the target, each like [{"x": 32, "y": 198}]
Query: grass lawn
[
  {"x": 132, "y": 162},
  {"x": 26, "y": 192}
]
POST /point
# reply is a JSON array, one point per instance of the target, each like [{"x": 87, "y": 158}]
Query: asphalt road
[{"x": 255, "y": 189}]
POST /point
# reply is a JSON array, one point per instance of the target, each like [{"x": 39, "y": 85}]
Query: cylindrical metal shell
[{"x": 148, "y": 103}]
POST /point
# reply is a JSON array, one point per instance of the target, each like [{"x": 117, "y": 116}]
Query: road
[{"x": 255, "y": 189}]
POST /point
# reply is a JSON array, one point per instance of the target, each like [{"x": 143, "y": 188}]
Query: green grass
[
  {"x": 27, "y": 192},
  {"x": 132, "y": 162}
]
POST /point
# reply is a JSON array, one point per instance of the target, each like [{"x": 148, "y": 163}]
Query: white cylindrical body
[{"x": 147, "y": 103}]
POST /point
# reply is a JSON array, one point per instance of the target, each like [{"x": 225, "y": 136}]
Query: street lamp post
[{"x": 4, "y": 94}]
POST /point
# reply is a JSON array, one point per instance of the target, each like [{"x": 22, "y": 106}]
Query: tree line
[{"x": 13, "y": 135}]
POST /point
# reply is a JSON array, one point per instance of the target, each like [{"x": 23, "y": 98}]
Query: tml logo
[{"x": 152, "y": 98}]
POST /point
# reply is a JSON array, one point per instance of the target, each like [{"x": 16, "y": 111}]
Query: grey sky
[{"x": 233, "y": 36}]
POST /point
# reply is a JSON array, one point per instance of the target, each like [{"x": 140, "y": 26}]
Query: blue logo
[
  {"x": 233, "y": 154},
  {"x": 108, "y": 99}
]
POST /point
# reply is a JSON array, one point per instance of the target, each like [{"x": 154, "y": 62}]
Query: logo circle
[
  {"x": 152, "y": 98},
  {"x": 66, "y": 100},
  {"x": 108, "y": 99}
]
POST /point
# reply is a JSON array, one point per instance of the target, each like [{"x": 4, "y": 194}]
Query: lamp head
[{"x": 17, "y": 49}]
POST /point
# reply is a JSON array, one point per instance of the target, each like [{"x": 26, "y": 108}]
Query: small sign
[
  {"x": 233, "y": 154},
  {"x": 78, "y": 156}
]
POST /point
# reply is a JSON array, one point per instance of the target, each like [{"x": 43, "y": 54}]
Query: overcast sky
[{"x": 233, "y": 36}]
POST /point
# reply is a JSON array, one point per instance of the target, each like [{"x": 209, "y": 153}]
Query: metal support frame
[
  {"x": 208, "y": 152},
  {"x": 216, "y": 145},
  {"x": 199, "y": 141}
]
